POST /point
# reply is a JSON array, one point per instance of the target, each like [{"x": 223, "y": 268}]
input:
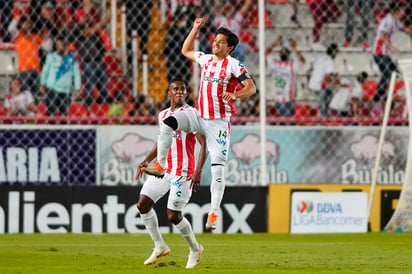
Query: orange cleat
[
  {"x": 211, "y": 221},
  {"x": 155, "y": 170}
]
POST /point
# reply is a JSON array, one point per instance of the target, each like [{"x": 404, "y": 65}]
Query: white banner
[{"x": 329, "y": 212}]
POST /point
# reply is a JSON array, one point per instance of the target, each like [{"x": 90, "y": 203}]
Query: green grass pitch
[{"x": 224, "y": 253}]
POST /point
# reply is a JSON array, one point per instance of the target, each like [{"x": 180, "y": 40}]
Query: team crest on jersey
[{"x": 177, "y": 135}]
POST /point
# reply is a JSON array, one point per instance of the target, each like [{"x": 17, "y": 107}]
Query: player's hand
[
  {"x": 228, "y": 96},
  {"x": 139, "y": 172},
  {"x": 199, "y": 22},
  {"x": 195, "y": 181}
]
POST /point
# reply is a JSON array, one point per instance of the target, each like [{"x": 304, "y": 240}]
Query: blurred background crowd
[{"x": 324, "y": 58}]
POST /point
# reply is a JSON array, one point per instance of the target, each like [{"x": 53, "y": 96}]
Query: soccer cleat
[
  {"x": 346, "y": 44},
  {"x": 155, "y": 170},
  {"x": 156, "y": 254},
  {"x": 211, "y": 221},
  {"x": 194, "y": 257}
]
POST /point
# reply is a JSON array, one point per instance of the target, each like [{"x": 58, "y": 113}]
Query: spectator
[
  {"x": 6, "y": 15},
  {"x": 119, "y": 107},
  {"x": 176, "y": 63},
  {"x": 91, "y": 50},
  {"x": 323, "y": 78},
  {"x": 230, "y": 17},
  {"x": 383, "y": 47},
  {"x": 144, "y": 106},
  {"x": 138, "y": 18},
  {"x": 284, "y": 72},
  {"x": 345, "y": 102},
  {"x": 19, "y": 103},
  {"x": 44, "y": 24},
  {"x": 323, "y": 11},
  {"x": 365, "y": 7},
  {"x": 198, "y": 9},
  {"x": 44, "y": 20},
  {"x": 28, "y": 44},
  {"x": 59, "y": 72}
]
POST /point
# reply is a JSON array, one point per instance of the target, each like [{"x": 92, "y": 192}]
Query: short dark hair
[
  {"x": 14, "y": 78},
  {"x": 22, "y": 20},
  {"x": 232, "y": 39},
  {"x": 332, "y": 49},
  {"x": 177, "y": 79},
  {"x": 361, "y": 77}
]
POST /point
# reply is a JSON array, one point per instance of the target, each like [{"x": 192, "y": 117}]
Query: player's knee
[
  {"x": 144, "y": 205},
  {"x": 174, "y": 216},
  {"x": 171, "y": 122}
]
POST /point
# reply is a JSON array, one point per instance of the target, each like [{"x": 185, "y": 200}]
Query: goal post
[
  {"x": 381, "y": 141},
  {"x": 401, "y": 219}
]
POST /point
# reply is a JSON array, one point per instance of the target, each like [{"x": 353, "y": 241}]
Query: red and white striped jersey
[
  {"x": 181, "y": 156},
  {"x": 217, "y": 77},
  {"x": 285, "y": 77},
  {"x": 389, "y": 25}
]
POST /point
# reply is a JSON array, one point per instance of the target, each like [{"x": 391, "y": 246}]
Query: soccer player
[
  {"x": 220, "y": 77},
  {"x": 180, "y": 178}
]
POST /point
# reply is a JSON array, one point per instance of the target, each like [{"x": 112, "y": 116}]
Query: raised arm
[
  {"x": 188, "y": 48},
  {"x": 297, "y": 52},
  {"x": 98, "y": 26},
  {"x": 245, "y": 8},
  {"x": 216, "y": 8},
  {"x": 276, "y": 43}
]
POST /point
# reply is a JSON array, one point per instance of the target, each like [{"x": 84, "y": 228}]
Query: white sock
[
  {"x": 164, "y": 142},
  {"x": 217, "y": 187},
  {"x": 187, "y": 233},
  {"x": 152, "y": 226}
]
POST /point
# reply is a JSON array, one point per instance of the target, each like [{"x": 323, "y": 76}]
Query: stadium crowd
[{"x": 64, "y": 53}]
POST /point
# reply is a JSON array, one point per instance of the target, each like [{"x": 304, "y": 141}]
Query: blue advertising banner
[{"x": 30, "y": 155}]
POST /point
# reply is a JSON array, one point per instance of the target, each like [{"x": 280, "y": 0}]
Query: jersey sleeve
[
  {"x": 200, "y": 57},
  {"x": 386, "y": 24},
  {"x": 239, "y": 70}
]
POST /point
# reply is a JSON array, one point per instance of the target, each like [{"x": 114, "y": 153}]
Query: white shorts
[
  {"x": 179, "y": 187},
  {"x": 217, "y": 132}
]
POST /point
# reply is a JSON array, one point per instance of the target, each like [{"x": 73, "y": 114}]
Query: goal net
[{"x": 401, "y": 220}]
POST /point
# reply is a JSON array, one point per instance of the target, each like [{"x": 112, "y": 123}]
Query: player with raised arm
[
  {"x": 220, "y": 77},
  {"x": 180, "y": 178}
]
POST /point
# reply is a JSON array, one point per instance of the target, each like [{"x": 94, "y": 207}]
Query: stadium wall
[{"x": 108, "y": 155}]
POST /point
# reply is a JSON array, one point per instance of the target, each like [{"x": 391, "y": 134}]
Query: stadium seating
[
  {"x": 2, "y": 110},
  {"x": 369, "y": 89},
  {"x": 41, "y": 109},
  {"x": 77, "y": 110},
  {"x": 98, "y": 110}
]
